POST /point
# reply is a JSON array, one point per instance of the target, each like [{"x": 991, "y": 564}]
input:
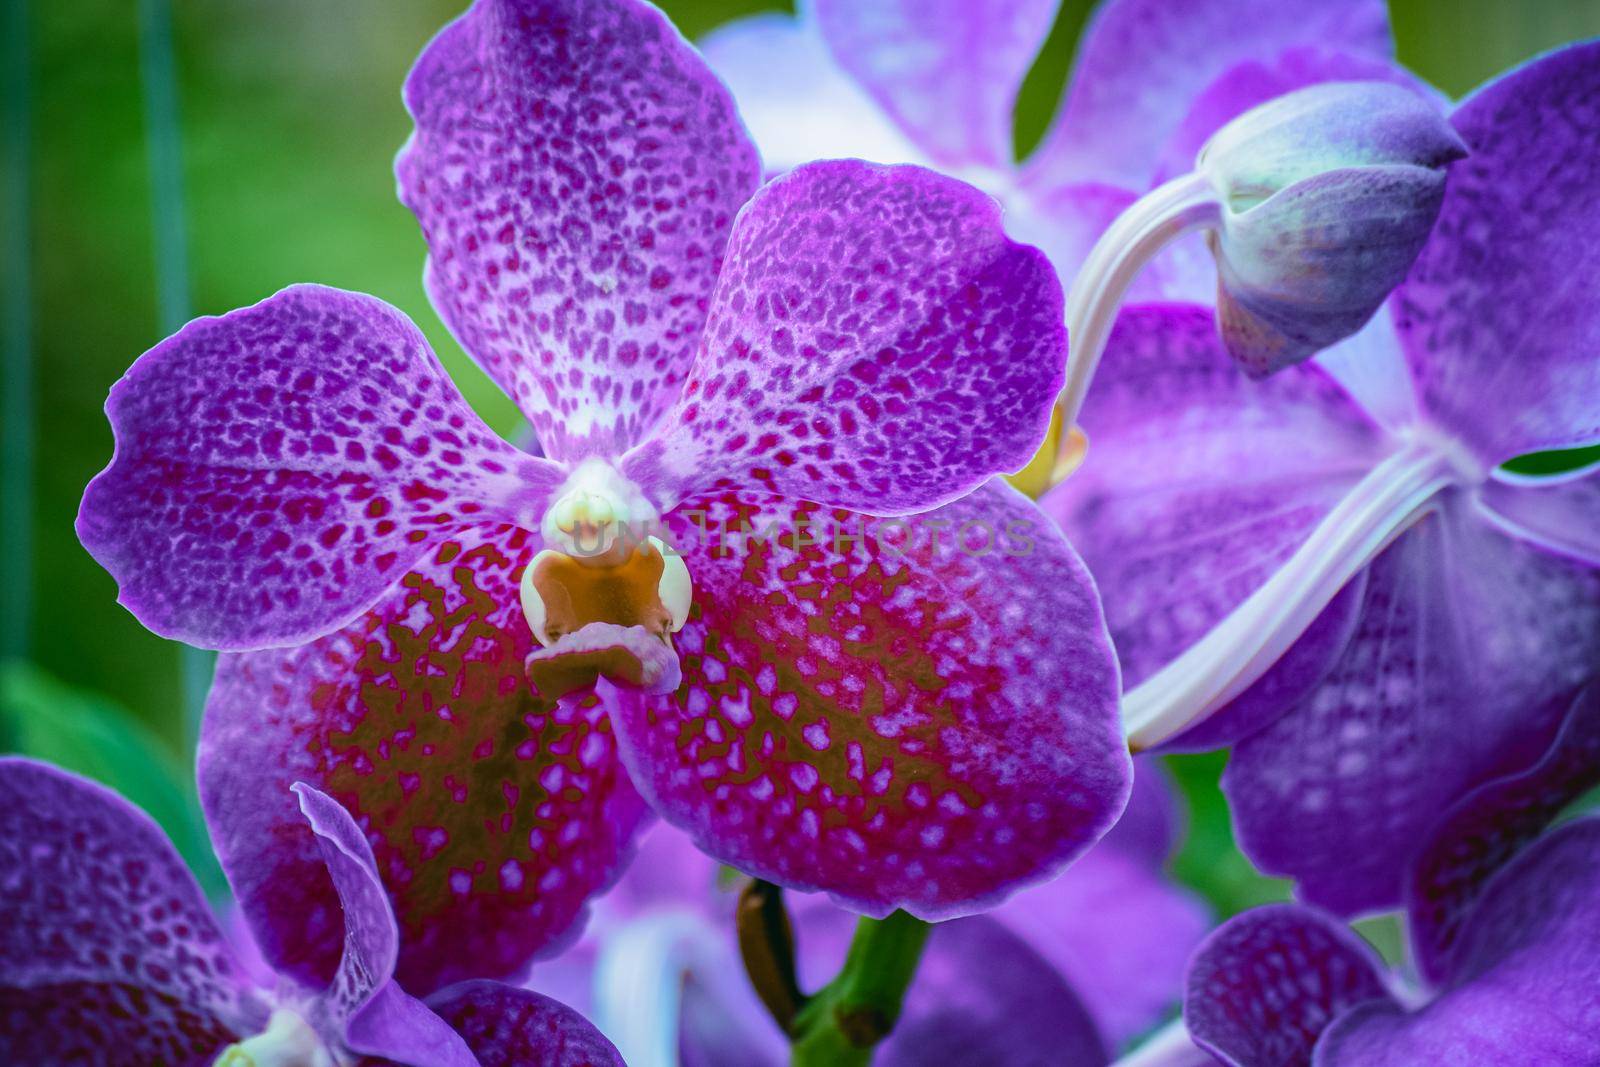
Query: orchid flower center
[
  {"x": 288, "y": 1041},
  {"x": 603, "y": 562}
]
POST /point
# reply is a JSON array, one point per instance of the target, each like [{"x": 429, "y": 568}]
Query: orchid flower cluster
[{"x": 783, "y": 318}]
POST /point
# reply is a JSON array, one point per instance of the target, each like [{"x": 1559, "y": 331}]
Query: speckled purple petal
[
  {"x": 279, "y": 467},
  {"x": 1113, "y": 925},
  {"x": 1198, "y": 482},
  {"x": 493, "y": 813},
  {"x": 947, "y": 71},
  {"x": 108, "y": 950},
  {"x": 921, "y": 716},
  {"x": 1142, "y": 63},
  {"x": 1499, "y": 334},
  {"x": 576, "y": 169},
  {"x": 875, "y": 343},
  {"x": 1467, "y": 652},
  {"x": 1487, "y": 827},
  {"x": 1561, "y": 513},
  {"x": 1524, "y": 992},
  {"x": 1268, "y": 982},
  {"x": 510, "y": 1027}
]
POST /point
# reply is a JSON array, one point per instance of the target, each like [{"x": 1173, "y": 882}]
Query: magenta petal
[
  {"x": 510, "y": 1027},
  {"x": 279, "y": 467},
  {"x": 1467, "y": 651},
  {"x": 1523, "y": 994},
  {"x": 947, "y": 71},
  {"x": 1142, "y": 63},
  {"x": 107, "y": 943},
  {"x": 876, "y": 343},
  {"x": 1199, "y": 482},
  {"x": 917, "y": 714},
  {"x": 576, "y": 168},
  {"x": 1487, "y": 827},
  {"x": 1268, "y": 982},
  {"x": 1500, "y": 340},
  {"x": 1560, "y": 513},
  {"x": 493, "y": 813}
]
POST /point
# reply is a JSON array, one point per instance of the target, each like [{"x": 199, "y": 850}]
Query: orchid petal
[
  {"x": 493, "y": 813},
  {"x": 1246, "y": 470},
  {"x": 1268, "y": 982},
  {"x": 1487, "y": 827},
  {"x": 1523, "y": 994},
  {"x": 1498, "y": 328},
  {"x": 875, "y": 343},
  {"x": 1467, "y": 651},
  {"x": 576, "y": 169},
  {"x": 278, "y": 468},
  {"x": 1142, "y": 63},
  {"x": 900, "y": 720},
  {"x": 947, "y": 71},
  {"x": 1559, "y": 513},
  {"x": 510, "y": 1027},
  {"x": 108, "y": 946},
  {"x": 796, "y": 101}
]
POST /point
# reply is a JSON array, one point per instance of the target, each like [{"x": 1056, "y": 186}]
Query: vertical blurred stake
[
  {"x": 158, "y": 72},
  {"x": 16, "y": 418},
  {"x": 766, "y": 942}
]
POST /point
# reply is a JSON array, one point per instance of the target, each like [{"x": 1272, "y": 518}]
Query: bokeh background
[{"x": 171, "y": 158}]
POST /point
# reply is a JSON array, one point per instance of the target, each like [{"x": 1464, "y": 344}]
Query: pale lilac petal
[
  {"x": 510, "y": 1027},
  {"x": 493, "y": 813},
  {"x": 875, "y": 343},
  {"x": 1467, "y": 652},
  {"x": 1198, "y": 482},
  {"x": 1499, "y": 329},
  {"x": 278, "y": 468},
  {"x": 919, "y": 713},
  {"x": 1268, "y": 982},
  {"x": 1150, "y": 827},
  {"x": 1142, "y": 64},
  {"x": 797, "y": 103},
  {"x": 1561, "y": 513},
  {"x": 398, "y": 1026},
  {"x": 1524, "y": 992},
  {"x": 947, "y": 71},
  {"x": 1487, "y": 827},
  {"x": 576, "y": 169},
  {"x": 108, "y": 950}
]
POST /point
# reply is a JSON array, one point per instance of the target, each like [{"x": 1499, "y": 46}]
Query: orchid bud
[{"x": 1327, "y": 195}]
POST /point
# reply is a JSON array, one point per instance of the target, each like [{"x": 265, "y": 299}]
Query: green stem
[{"x": 839, "y": 1026}]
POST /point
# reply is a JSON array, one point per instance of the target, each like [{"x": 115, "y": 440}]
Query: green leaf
[{"x": 83, "y": 732}]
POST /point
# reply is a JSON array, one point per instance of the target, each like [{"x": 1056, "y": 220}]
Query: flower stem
[
  {"x": 840, "y": 1025},
  {"x": 1169, "y": 1046},
  {"x": 766, "y": 943}
]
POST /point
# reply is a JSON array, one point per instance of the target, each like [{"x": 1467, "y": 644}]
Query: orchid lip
[
  {"x": 288, "y": 1041},
  {"x": 632, "y": 584}
]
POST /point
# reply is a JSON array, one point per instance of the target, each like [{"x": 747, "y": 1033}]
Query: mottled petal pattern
[
  {"x": 875, "y": 343},
  {"x": 493, "y": 813},
  {"x": 947, "y": 71},
  {"x": 1246, "y": 471},
  {"x": 1499, "y": 326},
  {"x": 1467, "y": 652},
  {"x": 1142, "y": 63},
  {"x": 917, "y": 713},
  {"x": 109, "y": 952},
  {"x": 1268, "y": 982},
  {"x": 279, "y": 467},
  {"x": 510, "y": 1027},
  {"x": 1487, "y": 827},
  {"x": 576, "y": 170},
  {"x": 1524, "y": 992}
]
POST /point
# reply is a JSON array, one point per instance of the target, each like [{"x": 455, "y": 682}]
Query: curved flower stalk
[
  {"x": 109, "y": 954},
  {"x": 1327, "y": 570},
  {"x": 1505, "y": 936},
  {"x": 1065, "y": 972},
  {"x": 827, "y": 644}
]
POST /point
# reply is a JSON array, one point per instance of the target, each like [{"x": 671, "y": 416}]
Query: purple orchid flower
[
  {"x": 1071, "y": 970},
  {"x": 1330, "y": 571},
  {"x": 901, "y": 718},
  {"x": 109, "y": 954},
  {"x": 1505, "y": 937}
]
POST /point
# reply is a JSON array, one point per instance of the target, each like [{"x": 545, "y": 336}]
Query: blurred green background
[{"x": 288, "y": 116}]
